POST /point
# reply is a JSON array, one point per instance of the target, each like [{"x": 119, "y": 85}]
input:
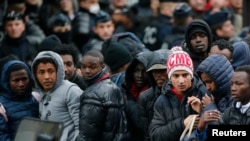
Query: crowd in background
[{"x": 124, "y": 70}]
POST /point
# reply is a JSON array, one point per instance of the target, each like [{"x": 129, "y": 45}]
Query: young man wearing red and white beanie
[{"x": 180, "y": 100}]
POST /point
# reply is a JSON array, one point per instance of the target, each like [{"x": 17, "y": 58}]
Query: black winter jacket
[
  {"x": 169, "y": 113},
  {"x": 101, "y": 111}
]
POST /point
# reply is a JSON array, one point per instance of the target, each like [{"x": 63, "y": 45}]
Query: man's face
[
  {"x": 19, "y": 82},
  {"x": 140, "y": 75},
  {"x": 91, "y": 66},
  {"x": 66, "y": 5},
  {"x": 104, "y": 30},
  {"x": 208, "y": 81},
  {"x": 226, "y": 30},
  {"x": 240, "y": 87},
  {"x": 199, "y": 42},
  {"x": 160, "y": 76},
  {"x": 226, "y": 52},
  {"x": 14, "y": 28},
  {"x": 119, "y": 3},
  {"x": 69, "y": 66},
  {"x": 46, "y": 75},
  {"x": 198, "y": 4},
  {"x": 181, "y": 80}
]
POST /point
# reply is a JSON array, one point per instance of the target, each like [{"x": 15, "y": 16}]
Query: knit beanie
[
  {"x": 117, "y": 55},
  {"x": 179, "y": 60},
  {"x": 49, "y": 43},
  {"x": 197, "y": 29}
]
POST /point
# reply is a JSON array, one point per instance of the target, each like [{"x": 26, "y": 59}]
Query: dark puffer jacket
[
  {"x": 194, "y": 24},
  {"x": 221, "y": 72},
  {"x": 147, "y": 98},
  {"x": 101, "y": 111},
  {"x": 169, "y": 113},
  {"x": 132, "y": 108},
  {"x": 16, "y": 107}
]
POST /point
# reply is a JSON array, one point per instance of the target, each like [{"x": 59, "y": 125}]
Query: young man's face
[
  {"x": 46, "y": 75},
  {"x": 104, "y": 30},
  {"x": 226, "y": 30},
  {"x": 14, "y": 28},
  {"x": 208, "y": 81},
  {"x": 91, "y": 66},
  {"x": 66, "y": 5},
  {"x": 19, "y": 82},
  {"x": 181, "y": 80},
  {"x": 226, "y": 52},
  {"x": 160, "y": 76},
  {"x": 140, "y": 75},
  {"x": 69, "y": 66},
  {"x": 240, "y": 87},
  {"x": 199, "y": 42}
]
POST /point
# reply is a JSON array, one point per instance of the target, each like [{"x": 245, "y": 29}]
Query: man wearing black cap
[
  {"x": 16, "y": 40},
  {"x": 181, "y": 18},
  {"x": 198, "y": 40},
  {"x": 221, "y": 26},
  {"x": 103, "y": 30}
]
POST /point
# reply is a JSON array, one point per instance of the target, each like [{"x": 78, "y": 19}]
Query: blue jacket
[
  {"x": 15, "y": 107},
  {"x": 221, "y": 72}
]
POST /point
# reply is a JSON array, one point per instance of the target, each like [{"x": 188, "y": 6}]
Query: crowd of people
[{"x": 110, "y": 71}]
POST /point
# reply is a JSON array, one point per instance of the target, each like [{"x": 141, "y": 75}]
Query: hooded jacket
[
  {"x": 16, "y": 108},
  {"x": 132, "y": 109},
  {"x": 102, "y": 116},
  {"x": 147, "y": 98},
  {"x": 241, "y": 54},
  {"x": 62, "y": 102},
  {"x": 221, "y": 72},
  {"x": 169, "y": 112},
  {"x": 194, "y": 24}
]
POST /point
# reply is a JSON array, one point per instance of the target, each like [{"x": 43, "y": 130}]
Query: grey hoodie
[{"x": 62, "y": 102}]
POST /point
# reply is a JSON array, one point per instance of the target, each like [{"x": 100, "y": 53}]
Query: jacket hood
[
  {"x": 241, "y": 54},
  {"x": 158, "y": 57},
  {"x": 198, "y": 23},
  {"x": 59, "y": 66},
  {"x": 143, "y": 58},
  {"x": 221, "y": 72},
  {"x": 5, "y": 77}
]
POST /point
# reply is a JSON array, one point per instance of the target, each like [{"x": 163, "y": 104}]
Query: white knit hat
[{"x": 179, "y": 60}]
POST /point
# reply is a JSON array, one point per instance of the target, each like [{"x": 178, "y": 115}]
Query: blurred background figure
[
  {"x": 60, "y": 25},
  {"x": 102, "y": 30},
  {"x": 181, "y": 18}
]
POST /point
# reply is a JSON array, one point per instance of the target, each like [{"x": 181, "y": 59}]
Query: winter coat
[
  {"x": 20, "y": 47},
  {"x": 102, "y": 116},
  {"x": 169, "y": 112},
  {"x": 241, "y": 54},
  {"x": 62, "y": 102},
  {"x": 147, "y": 98},
  {"x": 16, "y": 108},
  {"x": 221, "y": 72},
  {"x": 132, "y": 108}
]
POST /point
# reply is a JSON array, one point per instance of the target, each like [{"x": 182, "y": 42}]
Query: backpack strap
[{"x": 3, "y": 112}]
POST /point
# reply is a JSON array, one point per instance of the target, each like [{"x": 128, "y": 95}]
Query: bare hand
[
  {"x": 208, "y": 116},
  {"x": 195, "y": 103},
  {"x": 206, "y": 100}
]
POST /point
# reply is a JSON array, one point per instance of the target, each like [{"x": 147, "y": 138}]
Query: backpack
[
  {"x": 3, "y": 111},
  {"x": 128, "y": 39}
]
